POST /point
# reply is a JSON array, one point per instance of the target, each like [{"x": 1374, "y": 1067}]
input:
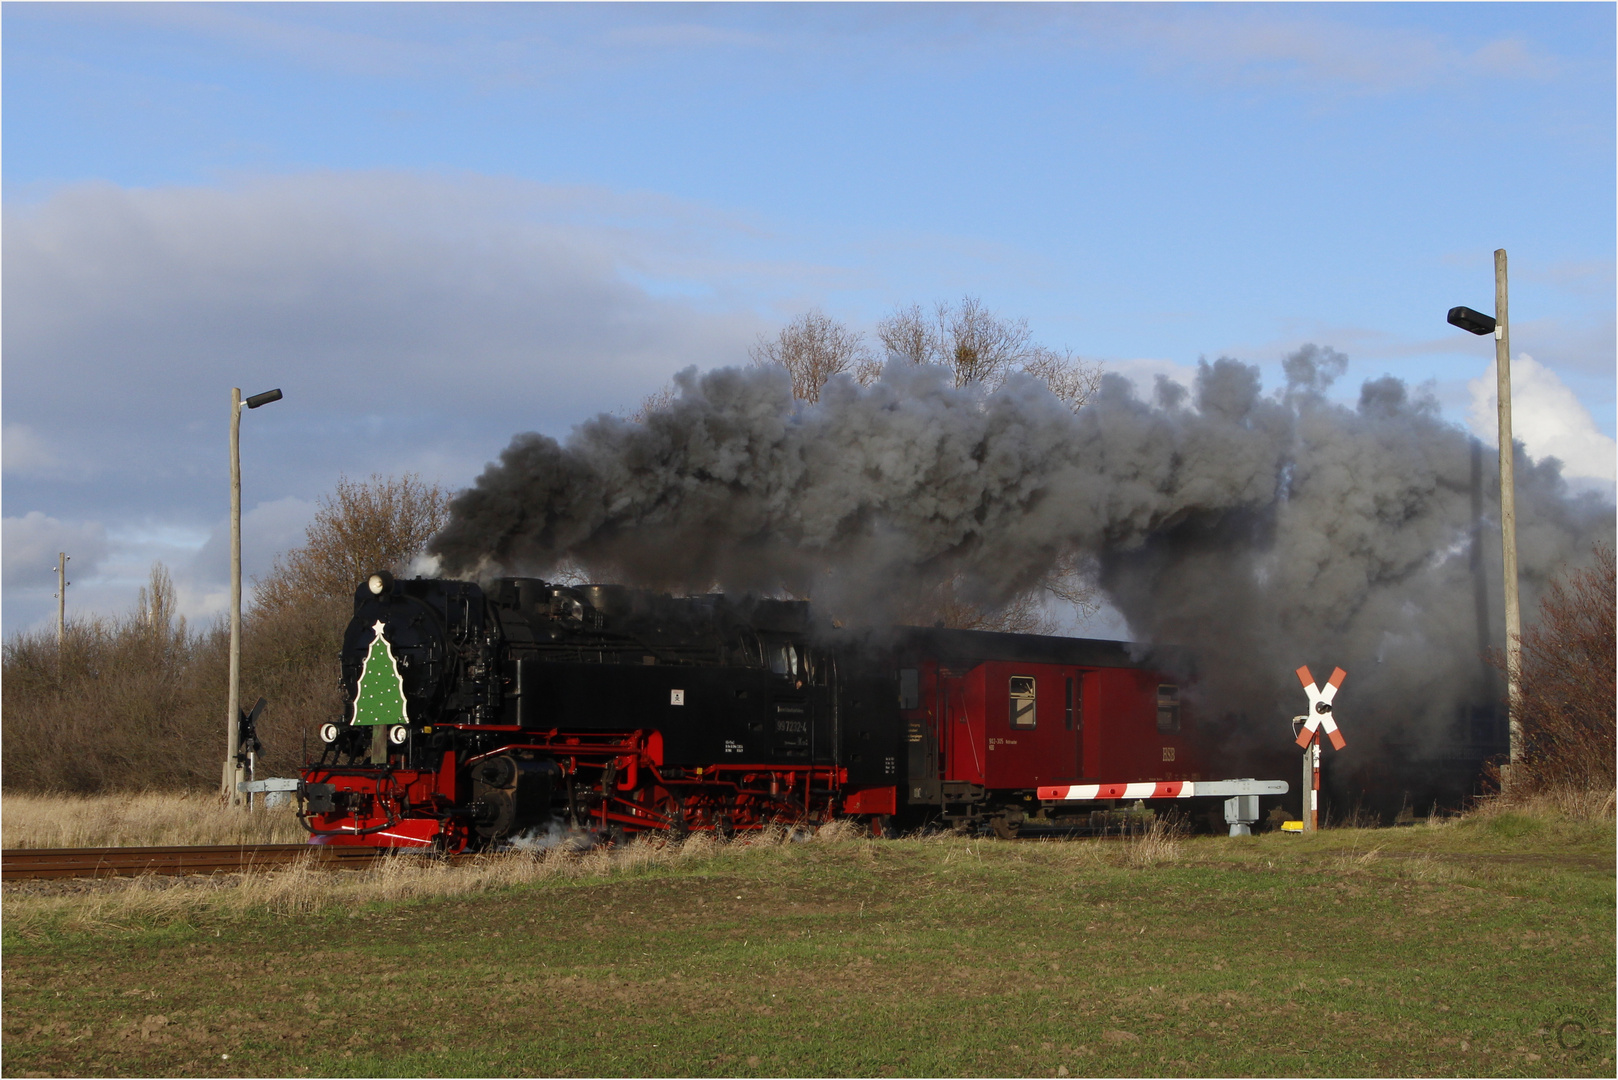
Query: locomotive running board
[{"x": 1178, "y": 789}]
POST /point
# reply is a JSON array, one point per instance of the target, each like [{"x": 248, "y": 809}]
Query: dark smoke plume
[{"x": 1261, "y": 531}]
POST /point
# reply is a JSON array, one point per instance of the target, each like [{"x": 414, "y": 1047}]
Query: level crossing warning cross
[{"x": 1320, "y": 715}]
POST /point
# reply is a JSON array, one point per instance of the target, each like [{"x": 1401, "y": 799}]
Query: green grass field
[{"x": 1453, "y": 950}]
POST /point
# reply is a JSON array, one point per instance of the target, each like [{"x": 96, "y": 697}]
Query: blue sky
[{"x": 434, "y": 226}]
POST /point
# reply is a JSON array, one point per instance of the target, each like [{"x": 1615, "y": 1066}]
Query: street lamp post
[
  {"x": 1478, "y": 323},
  {"x": 233, "y": 772}
]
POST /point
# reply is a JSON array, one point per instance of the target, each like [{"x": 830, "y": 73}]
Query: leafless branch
[{"x": 813, "y": 348}]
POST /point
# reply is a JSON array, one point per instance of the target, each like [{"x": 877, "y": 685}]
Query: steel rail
[{"x": 22, "y": 863}]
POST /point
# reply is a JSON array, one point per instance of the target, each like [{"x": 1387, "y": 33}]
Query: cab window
[
  {"x": 786, "y": 660},
  {"x": 909, "y": 688},
  {"x": 1022, "y": 701}
]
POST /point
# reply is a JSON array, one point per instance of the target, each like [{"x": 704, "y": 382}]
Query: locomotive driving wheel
[{"x": 671, "y": 807}]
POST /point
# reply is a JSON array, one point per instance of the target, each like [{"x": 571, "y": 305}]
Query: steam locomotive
[{"x": 478, "y": 716}]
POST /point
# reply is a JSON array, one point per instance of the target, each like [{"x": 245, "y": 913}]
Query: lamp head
[
  {"x": 1473, "y": 322},
  {"x": 262, "y": 399}
]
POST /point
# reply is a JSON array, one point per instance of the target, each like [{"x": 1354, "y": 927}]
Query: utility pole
[
  {"x": 1475, "y": 322},
  {"x": 233, "y": 773},
  {"x": 233, "y": 768},
  {"x": 61, "y": 599},
  {"x": 1508, "y": 516}
]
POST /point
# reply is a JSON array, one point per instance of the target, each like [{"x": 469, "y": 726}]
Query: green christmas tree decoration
[{"x": 380, "y": 697}]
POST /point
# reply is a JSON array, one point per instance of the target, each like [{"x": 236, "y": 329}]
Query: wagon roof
[{"x": 980, "y": 646}]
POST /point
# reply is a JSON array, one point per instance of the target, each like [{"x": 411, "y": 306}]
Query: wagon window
[
  {"x": 1168, "y": 708},
  {"x": 1022, "y": 701}
]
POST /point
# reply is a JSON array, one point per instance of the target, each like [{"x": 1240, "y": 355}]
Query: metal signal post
[{"x": 1319, "y": 718}]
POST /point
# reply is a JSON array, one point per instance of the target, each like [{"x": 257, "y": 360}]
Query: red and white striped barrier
[{"x": 1151, "y": 789}]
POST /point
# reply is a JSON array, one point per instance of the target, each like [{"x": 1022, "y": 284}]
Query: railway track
[{"x": 17, "y": 864}]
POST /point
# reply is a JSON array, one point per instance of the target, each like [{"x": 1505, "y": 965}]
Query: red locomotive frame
[{"x": 622, "y": 784}]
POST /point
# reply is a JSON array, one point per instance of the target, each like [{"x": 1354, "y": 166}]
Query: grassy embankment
[
  {"x": 1433, "y": 949},
  {"x": 144, "y": 819}
]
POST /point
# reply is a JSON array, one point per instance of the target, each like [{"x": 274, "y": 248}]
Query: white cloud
[
  {"x": 24, "y": 453},
  {"x": 414, "y": 322},
  {"x": 1547, "y": 418},
  {"x": 1272, "y": 45},
  {"x": 368, "y": 288},
  {"x": 32, "y": 541},
  {"x": 267, "y": 530},
  {"x": 1144, "y": 373}
]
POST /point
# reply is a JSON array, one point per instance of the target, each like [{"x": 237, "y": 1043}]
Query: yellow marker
[{"x": 1292, "y": 826}]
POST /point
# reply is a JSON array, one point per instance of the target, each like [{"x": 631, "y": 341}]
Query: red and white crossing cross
[{"x": 1320, "y": 716}]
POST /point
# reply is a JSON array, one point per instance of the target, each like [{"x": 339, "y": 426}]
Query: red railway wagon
[{"x": 990, "y": 719}]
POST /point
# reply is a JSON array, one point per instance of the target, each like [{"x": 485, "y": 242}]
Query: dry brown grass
[
  {"x": 1159, "y": 843},
  {"x": 305, "y": 887},
  {"x": 1569, "y": 801},
  {"x": 142, "y": 819}
]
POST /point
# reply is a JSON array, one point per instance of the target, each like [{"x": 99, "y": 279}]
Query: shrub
[
  {"x": 1569, "y": 682},
  {"x": 138, "y": 703}
]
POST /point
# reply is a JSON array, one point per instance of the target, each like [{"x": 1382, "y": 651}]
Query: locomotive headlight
[
  {"x": 397, "y": 734},
  {"x": 328, "y": 733},
  {"x": 379, "y": 582}
]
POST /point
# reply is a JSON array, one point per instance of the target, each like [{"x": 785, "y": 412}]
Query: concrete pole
[
  {"x": 233, "y": 771},
  {"x": 1508, "y": 514}
]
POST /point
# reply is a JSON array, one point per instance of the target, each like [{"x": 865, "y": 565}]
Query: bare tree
[
  {"x": 981, "y": 346},
  {"x": 363, "y": 526},
  {"x": 155, "y": 606},
  {"x": 654, "y": 402},
  {"x": 1068, "y": 377},
  {"x": 907, "y": 334},
  {"x": 814, "y": 347},
  {"x": 1569, "y": 682}
]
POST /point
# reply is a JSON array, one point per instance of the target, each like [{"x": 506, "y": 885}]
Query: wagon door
[
  {"x": 1073, "y": 718},
  {"x": 961, "y": 699},
  {"x": 919, "y": 705}
]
